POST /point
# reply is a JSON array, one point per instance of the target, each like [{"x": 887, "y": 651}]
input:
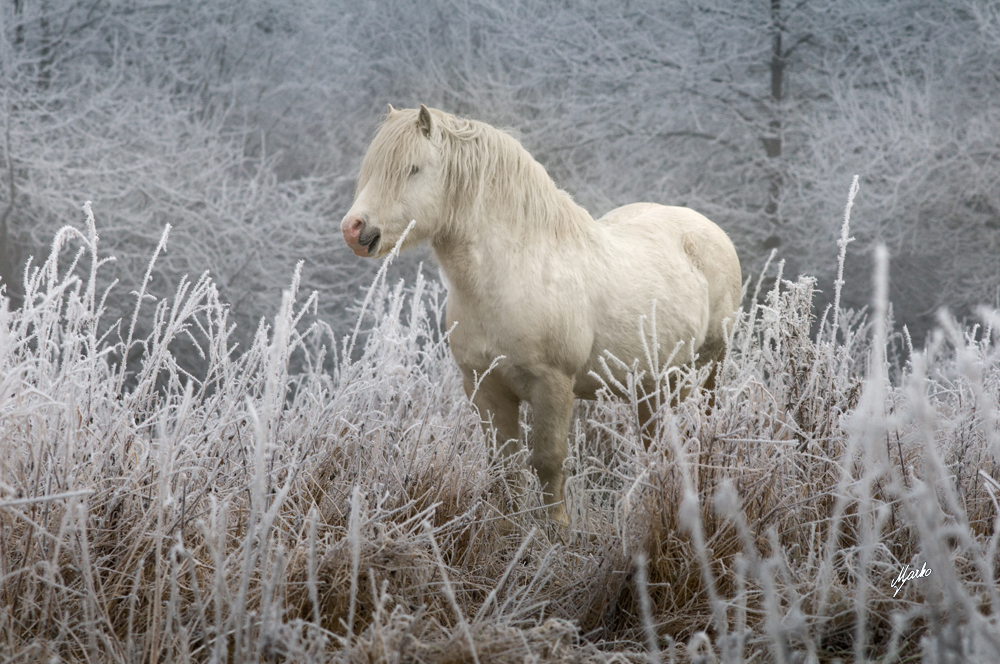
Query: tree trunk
[
  {"x": 9, "y": 256},
  {"x": 9, "y": 279},
  {"x": 772, "y": 142},
  {"x": 19, "y": 30},
  {"x": 47, "y": 52}
]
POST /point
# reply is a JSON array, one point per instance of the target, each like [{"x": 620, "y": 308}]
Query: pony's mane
[{"x": 480, "y": 159}]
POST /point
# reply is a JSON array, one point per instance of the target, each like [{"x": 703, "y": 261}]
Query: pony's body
[
  {"x": 533, "y": 277},
  {"x": 563, "y": 305}
]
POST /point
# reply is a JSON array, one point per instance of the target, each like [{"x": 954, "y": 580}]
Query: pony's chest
[
  {"x": 481, "y": 331},
  {"x": 523, "y": 334}
]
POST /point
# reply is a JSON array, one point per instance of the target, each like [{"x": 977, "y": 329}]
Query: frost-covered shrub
[
  {"x": 242, "y": 124},
  {"x": 351, "y": 508}
]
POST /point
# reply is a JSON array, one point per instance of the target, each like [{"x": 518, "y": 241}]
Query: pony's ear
[
  {"x": 390, "y": 109},
  {"x": 424, "y": 121}
]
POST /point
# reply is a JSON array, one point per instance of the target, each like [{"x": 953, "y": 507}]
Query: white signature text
[{"x": 907, "y": 574}]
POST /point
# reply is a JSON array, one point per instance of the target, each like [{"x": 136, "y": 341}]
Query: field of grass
[{"x": 313, "y": 499}]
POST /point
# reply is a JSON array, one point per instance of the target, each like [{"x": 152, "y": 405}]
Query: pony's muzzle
[{"x": 359, "y": 235}]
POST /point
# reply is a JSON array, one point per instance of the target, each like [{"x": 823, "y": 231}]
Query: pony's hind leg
[
  {"x": 710, "y": 383},
  {"x": 552, "y": 407}
]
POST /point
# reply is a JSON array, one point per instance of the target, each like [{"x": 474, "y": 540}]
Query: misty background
[{"x": 242, "y": 124}]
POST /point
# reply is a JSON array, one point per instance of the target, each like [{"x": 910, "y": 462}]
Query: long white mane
[{"x": 486, "y": 170}]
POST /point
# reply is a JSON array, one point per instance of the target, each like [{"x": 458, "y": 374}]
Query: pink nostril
[{"x": 352, "y": 227}]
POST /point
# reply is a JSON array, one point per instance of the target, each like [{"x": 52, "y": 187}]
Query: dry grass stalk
[{"x": 352, "y": 511}]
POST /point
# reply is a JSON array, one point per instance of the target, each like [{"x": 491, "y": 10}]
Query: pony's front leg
[
  {"x": 552, "y": 407},
  {"x": 498, "y": 407}
]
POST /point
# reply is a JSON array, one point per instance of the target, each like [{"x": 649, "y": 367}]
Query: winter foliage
[
  {"x": 231, "y": 442},
  {"x": 355, "y": 513},
  {"x": 242, "y": 124}
]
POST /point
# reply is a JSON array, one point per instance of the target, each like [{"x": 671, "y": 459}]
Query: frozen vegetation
[
  {"x": 223, "y": 445},
  {"x": 242, "y": 124},
  {"x": 349, "y": 510}
]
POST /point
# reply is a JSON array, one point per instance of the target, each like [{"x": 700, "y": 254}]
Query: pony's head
[{"x": 402, "y": 178}]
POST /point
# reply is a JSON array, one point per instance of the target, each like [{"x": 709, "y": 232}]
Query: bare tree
[{"x": 242, "y": 125}]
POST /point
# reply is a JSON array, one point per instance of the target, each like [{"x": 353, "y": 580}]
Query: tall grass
[{"x": 353, "y": 510}]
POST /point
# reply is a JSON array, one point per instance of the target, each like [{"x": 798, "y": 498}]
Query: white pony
[{"x": 533, "y": 277}]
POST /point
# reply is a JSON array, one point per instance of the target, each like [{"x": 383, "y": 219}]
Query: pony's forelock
[
  {"x": 473, "y": 151},
  {"x": 487, "y": 173},
  {"x": 390, "y": 153}
]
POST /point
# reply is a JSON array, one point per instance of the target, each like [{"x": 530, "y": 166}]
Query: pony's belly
[{"x": 632, "y": 343}]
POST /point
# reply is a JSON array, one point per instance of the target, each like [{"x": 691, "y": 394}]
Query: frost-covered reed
[{"x": 351, "y": 508}]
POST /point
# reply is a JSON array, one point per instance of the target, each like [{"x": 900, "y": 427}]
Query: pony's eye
[{"x": 414, "y": 170}]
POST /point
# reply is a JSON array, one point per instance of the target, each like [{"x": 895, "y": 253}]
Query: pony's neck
[
  {"x": 508, "y": 204},
  {"x": 517, "y": 214}
]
